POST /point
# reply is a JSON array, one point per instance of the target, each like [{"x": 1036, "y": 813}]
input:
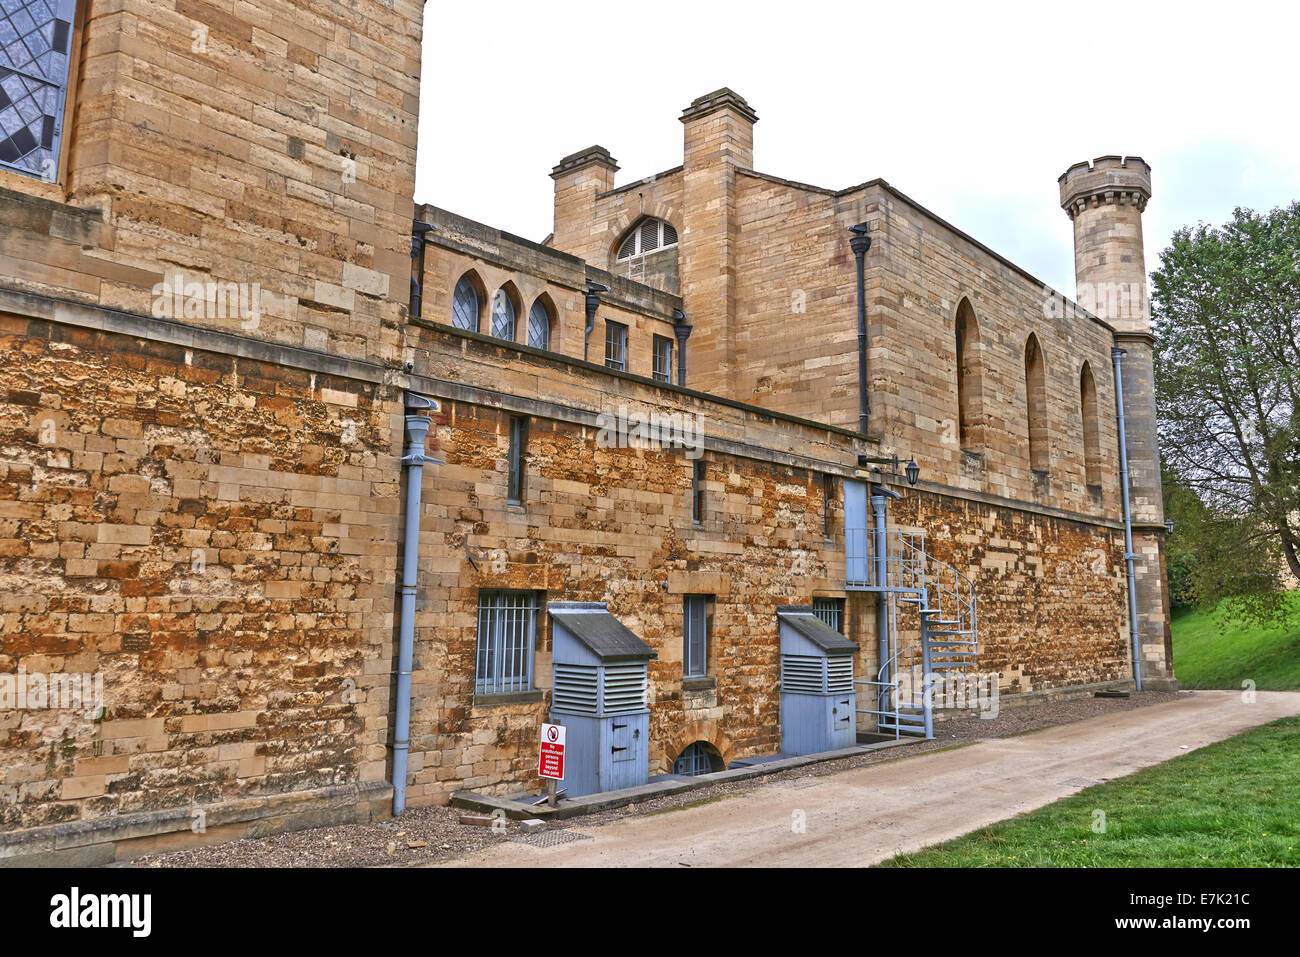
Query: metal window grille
[
  {"x": 694, "y": 760},
  {"x": 503, "y": 316},
  {"x": 35, "y": 55},
  {"x": 695, "y": 621},
  {"x": 616, "y": 346},
  {"x": 516, "y": 458},
  {"x": 464, "y": 306},
  {"x": 539, "y": 326},
  {"x": 831, "y": 611},
  {"x": 507, "y": 623},
  {"x": 663, "y": 358}
]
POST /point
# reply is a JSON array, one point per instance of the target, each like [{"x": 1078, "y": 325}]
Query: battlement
[{"x": 1124, "y": 180}]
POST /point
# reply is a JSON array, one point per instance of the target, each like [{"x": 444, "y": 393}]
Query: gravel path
[{"x": 430, "y": 835}]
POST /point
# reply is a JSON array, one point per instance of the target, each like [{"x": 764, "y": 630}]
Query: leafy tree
[{"x": 1226, "y": 316}]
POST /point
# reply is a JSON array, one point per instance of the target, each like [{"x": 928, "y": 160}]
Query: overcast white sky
[{"x": 972, "y": 109}]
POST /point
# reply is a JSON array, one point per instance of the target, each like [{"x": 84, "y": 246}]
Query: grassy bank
[
  {"x": 1232, "y": 804},
  {"x": 1204, "y": 657}
]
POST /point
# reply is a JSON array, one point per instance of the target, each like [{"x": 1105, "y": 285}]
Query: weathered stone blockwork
[{"x": 216, "y": 537}]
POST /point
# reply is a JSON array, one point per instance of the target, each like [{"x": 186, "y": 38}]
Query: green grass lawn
[
  {"x": 1232, "y": 804},
  {"x": 1204, "y": 657}
]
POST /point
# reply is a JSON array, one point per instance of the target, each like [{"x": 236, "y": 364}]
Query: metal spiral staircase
[{"x": 895, "y": 564}]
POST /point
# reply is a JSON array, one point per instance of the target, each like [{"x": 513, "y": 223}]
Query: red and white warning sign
[{"x": 551, "y": 762}]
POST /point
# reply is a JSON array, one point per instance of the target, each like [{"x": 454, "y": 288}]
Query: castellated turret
[{"x": 1105, "y": 200}]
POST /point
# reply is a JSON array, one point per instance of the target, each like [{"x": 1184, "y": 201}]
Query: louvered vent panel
[
  {"x": 625, "y": 688},
  {"x": 670, "y": 235},
  {"x": 575, "y": 689},
  {"x": 802, "y": 673},
  {"x": 649, "y": 235},
  {"x": 629, "y": 246},
  {"x": 839, "y": 674}
]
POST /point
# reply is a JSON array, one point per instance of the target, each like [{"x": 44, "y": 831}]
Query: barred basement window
[
  {"x": 696, "y": 759},
  {"x": 663, "y": 358},
  {"x": 695, "y": 626},
  {"x": 647, "y": 236},
  {"x": 503, "y": 315},
  {"x": 507, "y": 625},
  {"x": 616, "y": 346},
  {"x": 464, "y": 305},
  {"x": 516, "y": 458},
  {"x": 35, "y": 60},
  {"x": 539, "y": 326},
  {"x": 831, "y": 611}
]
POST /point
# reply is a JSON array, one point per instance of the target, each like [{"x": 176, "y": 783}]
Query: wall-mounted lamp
[
  {"x": 913, "y": 472},
  {"x": 1169, "y": 526}
]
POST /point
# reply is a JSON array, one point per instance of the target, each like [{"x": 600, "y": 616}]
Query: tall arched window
[
  {"x": 539, "y": 324},
  {"x": 1091, "y": 426},
  {"x": 1036, "y": 399},
  {"x": 465, "y": 305},
  {"x": 970, "y": 385},
  {"x": 646, "y": 236},
  {"x": 503, "y": 315}
]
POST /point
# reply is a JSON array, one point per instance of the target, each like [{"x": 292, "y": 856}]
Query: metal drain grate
[{"x": 549, "y": 838}]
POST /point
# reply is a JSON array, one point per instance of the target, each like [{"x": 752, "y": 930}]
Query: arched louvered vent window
[
  {"x": 464, "y": 305},
  {"x": 539, "y": 326},
  {"x": 647, "y": 236},
  {"x": 503, "y": 315}
]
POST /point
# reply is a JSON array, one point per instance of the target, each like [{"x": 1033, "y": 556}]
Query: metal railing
[{"x": 904, "y": 559}]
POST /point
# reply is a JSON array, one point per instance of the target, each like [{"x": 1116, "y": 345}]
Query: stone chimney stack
[
  {"x": 719, "y": 140},
  {"x": 1105, "y": 200},
  {"x": 579, "y": 178}
]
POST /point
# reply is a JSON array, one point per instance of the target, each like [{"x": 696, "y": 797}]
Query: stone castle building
[{"x": 314, "y": 494}]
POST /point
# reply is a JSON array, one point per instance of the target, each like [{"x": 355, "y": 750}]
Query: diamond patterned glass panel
[
  {"x": 539, "y": 326},
  {"x": 464, "y": 306},
  {"x": 35, "y": 36},
  {"x": 503, "y": 315}
]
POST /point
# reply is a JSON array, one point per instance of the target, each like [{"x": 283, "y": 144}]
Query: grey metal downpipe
[
  {"x": 860, "y": 243},
  {"x": 1129, "y": 556},
  {"x": 682, "y": 330},
  {"x": 594, "y": 289},
  {"x": 878, "y": 506},
  {"x": 413, "y": 458}
]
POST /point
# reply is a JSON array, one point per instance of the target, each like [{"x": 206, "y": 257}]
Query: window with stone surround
[
  {"x": 1091, "y": 426},
  {"x": 36, "y": 54},
  {"x": 503, "y": 314},
  {"x": 516, "y": 458},
  {"x": 616, "y": 345},
  {"x": 539, "y": 324},
  {"x": 507, "y": 635},
  {"x": 465, "y": 303},
  {"x": 695, "y": 634},
  {"x": 663, "y": 358},
  {"x": 646, "y": 236},
  {"x": 970, "y": 380},
  {"x": 831, "y": 611},
  {"x": 1036, "y": 402}
]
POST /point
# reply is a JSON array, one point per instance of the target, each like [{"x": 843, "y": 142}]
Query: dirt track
[{"x": 866, "y": 815}]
